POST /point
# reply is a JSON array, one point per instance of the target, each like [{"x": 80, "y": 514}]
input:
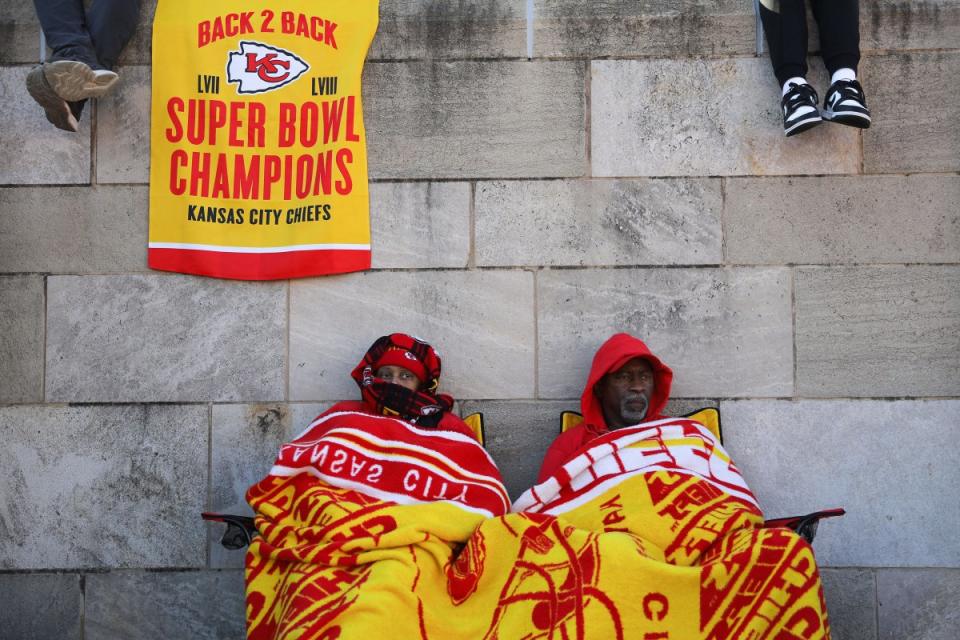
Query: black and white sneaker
[
  {"x": 846, "y": 104},
  {"x": 800, "y": 110}
]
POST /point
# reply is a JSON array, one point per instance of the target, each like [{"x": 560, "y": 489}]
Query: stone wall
[{"x": 631, "y": 176}]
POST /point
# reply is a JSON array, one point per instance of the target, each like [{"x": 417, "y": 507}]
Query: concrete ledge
[
  {"x": 630, "y": 28},
  {"x": 910, "y": 24},
  {"x": 436, "y": 30},
  {"x": 19, "y": 32},
  {"x": 888, "y": 462}
]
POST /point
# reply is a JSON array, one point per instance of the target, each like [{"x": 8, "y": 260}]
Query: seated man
[
  {"x": 398, "y": 377},
  {"x": 659, "y": 502},
  {"x": 627, "y": 385}
]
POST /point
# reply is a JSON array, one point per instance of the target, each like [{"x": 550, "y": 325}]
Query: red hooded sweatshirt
[{"x": 613, "y": 354}]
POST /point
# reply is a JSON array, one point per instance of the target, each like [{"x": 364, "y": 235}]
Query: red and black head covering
[{"x": 424, "y": 407}]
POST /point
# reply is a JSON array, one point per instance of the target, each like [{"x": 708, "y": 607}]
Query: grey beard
[{"x": 632, "y": 416}]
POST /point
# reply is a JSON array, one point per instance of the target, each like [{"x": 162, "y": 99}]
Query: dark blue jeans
[{"x": 96, "y": 37}]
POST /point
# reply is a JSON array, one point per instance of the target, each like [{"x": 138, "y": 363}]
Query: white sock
[
  {"x": 846, "y": 73},
  {"x": 796, "y": 80}
]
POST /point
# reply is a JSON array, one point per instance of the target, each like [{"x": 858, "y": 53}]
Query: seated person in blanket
[
  {"x": 701, "y": 564},
  {"x": 628, "y": 385},
  {"x": 398, "y": 377}
]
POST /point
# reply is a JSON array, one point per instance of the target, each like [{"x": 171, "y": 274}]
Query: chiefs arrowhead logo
[{"x": 258, "y": 67}]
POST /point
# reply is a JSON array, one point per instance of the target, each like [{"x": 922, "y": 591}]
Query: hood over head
[{"x": 613, "y": 354}]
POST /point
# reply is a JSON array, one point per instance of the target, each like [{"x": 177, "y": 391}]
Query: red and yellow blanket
[{"x": 374, "y": 528}]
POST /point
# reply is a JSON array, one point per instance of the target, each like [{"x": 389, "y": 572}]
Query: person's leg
[
  {"x": 64, "y": 26},
  {"x": 785, "y": 25},
  {"x": 838, "y": 22},
  {"x": 839, "y": 25},
  {"x": 75, "y": 71},
  {"x": 111, "y": 24}
]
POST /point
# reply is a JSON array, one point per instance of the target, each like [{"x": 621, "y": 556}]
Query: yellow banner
[{"x": 258, "y": 151}]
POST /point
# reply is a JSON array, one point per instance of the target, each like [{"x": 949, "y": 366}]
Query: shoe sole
[
  {"x": 849, "y": 118},
  {"x": 56, "y": 108},
  {"x": 800, "y": 127},
  {"x": 74, "y": 81}
]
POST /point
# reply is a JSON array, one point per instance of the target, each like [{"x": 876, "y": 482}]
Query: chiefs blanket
[
  {"x": 258, "y": 159},
  {"x": 373, "y": 528}
]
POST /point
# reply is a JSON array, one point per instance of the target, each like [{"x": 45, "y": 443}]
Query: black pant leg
[
  {"x": 839, "y": 25},
  {"x": 64, "y": 26},
  {"x": 785, "y": 25},
  {"x": 111, "y": 24}
]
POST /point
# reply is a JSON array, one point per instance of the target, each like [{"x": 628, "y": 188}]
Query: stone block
[
  {"x": 103, "y": 486},
  {"x": 475, "y": 119},
  {"x": 436, "y": 30},
  {"x": 123, "y": 129},
  {"x": 878, "y": 331},
  {"x": 851, "y": 596},
  {"x": 19, "y": 32},
  {"x": 912, "y": 98},
  {"x": 598, "y": 222},
  {"x": 73, "y": 229},
  {"x": 420, "y": 224},
  {"x": 843, "y": 220},
  {"x": 21, "y": 339},
  {"x": 245, "y": 441},
  {"x": 204, "y": 605},
  {"x": 890, "y": 464},
  {"x": 653, "y": 118},
  {"x": 159, "y": 338},
  {"x": 628, "y": 28},
  {"x": 481, "y": 321},
  {"x": 910, "y": 24},
  {"x": 920, "y": 604},
  {"x": 41, "y": 606},
  {"x": 725, "y": 332},
  {"x": 44, "y": 154}
]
